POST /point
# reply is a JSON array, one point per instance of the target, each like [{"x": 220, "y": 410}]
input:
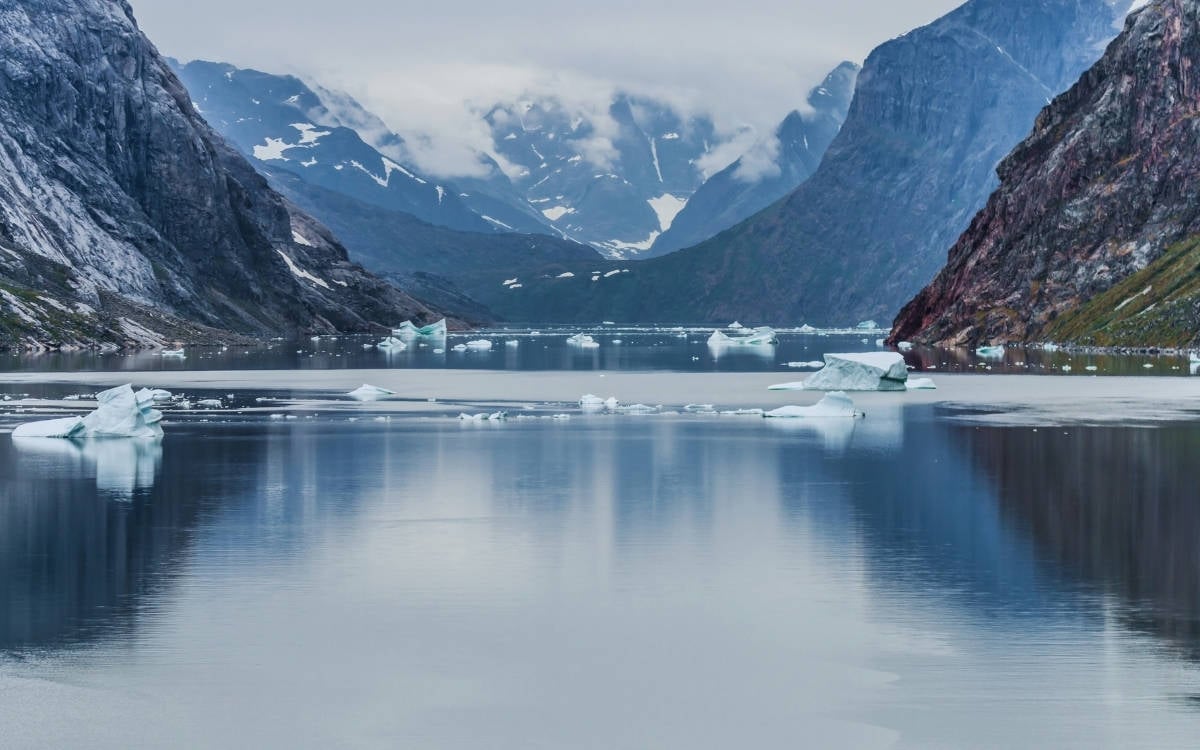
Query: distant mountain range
[
  {"x": 124, "y": 218},
  {"x": 773, "y": 169},
  {"x": 933, "y": 113},
  {"x": 1094, "y": 234}
]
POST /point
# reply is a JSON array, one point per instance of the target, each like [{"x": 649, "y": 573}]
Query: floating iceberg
[
  {"x": 735, "y": 326},
  {"x": 905, "y": 346},
  {"x": 479, "y": 345},
  {"x": 158, "y": 395},
  {"x": 796, "y": 386},
  {"x": 175, "y": 353},
  {"x": 921, "y": 384},
  {"x": 120, "y": 413},
  {"x": 700, "y": 409},
  {"x": 210, "y": 403},
  {"x": 410, "y": 330},
  {"x": 868, "y": 325},
  {"x": 757, "y": 337},
  {"x": 458, "y": 348},
  {"x": 407, "y": 329},
  {"x": 591, "y": 403},
  {"x": 873, "y": 371},
  {"x": 583, "y": 341},
  {"x": 813, "y": 365},
  {"x": 512, "y": 343},
  {"x": 638, "y": 409},
  {"x": 806, "y": 328},
  {"x": 743, "y": 413},
  {"x": 391, "y": 344},
  {"x": 991, "y": 352},
  {"x": 836, "y": 405},
  {"x": 496, "y": 416},
  {"x": 367, "y": 392}
]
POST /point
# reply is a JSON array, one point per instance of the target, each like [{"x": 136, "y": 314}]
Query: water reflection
[
  {"x": 120, "y": 467},
  {"x": 1116, "y": 506}
]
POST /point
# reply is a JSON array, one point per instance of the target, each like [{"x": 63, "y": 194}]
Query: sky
[{"x": 427, "y": 68}]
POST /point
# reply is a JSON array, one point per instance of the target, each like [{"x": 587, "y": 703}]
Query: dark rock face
[
  {"x": 1103, "y": 196},
  {"x": 744, "y": 188},
  {"x": 934, "y": 112},
  {"x": 152, "y": 222}
]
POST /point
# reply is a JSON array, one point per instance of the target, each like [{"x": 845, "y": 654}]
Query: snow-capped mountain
[
  {"x": 125, "y": 218},
  {"x": 615, "y": 180},
  {"x": 279, "y": 120},
  {"x": 773, "y": 168}
]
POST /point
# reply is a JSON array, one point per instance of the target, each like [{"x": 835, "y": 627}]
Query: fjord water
[{"x": 906, "y": 581}]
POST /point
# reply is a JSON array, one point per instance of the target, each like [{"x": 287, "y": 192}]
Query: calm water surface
[{"x": 672, "y": 582}]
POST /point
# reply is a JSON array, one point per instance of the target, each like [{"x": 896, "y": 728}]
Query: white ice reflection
[{"x": 120, "y": 467}]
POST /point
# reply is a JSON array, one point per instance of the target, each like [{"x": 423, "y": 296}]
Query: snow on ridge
[
  {"x": 557, "y": 212},
  {"x": 309, "y": 133},
  {"x": 667, "y": 207},
  {"x": 300, "y": 239},
  {"x": 497, "y": 222},
  {"x": 299, "y": 272},
  {"x": 272, "y": 150}
]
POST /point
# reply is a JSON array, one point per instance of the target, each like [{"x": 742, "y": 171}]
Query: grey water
[
  {"x": 546, "y": 349},
  {"x": 902, "y": 581}
]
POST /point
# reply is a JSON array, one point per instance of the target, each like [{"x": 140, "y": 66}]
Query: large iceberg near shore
[
  {"x": 836, "y": 405},
  {"x": 763, "y": 336},
  {"x": 120, "y": 413},
  {"x": 410, "y": 330},
  {"x": 871, "y": 371},
  {"x": 367, "y": 392}
]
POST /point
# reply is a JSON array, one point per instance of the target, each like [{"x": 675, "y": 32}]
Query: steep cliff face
[
  {"x": 770, "y": 171},
  {"x": 152, "y": 224},
  {"x": 934, "y": 112},
  {"x": 1092, "y": 235}
]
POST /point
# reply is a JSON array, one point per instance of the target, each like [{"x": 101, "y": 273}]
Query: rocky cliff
[
  {"x": 125, "y": 218},
  {"x": 1094, "y": 234}
]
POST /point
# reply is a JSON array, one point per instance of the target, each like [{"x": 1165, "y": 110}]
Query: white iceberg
[
  {"x": 496, "y": 416},
  {"x": 700, "y": 409},
  {"x": 758, "y": 337},
  {"x": 410, "y": 330},
  {"x": 175, "y": 353},
  {"x": 583, "y": 341},
  {"x": 159, "y": 395},
  {"x": 868, "y": 325},
  {"x": 921, "y": 384},
  {"x": 405, "y": 329},
  {"x": 391, "y": 344},
  {"x": 638, "y": 409},
  {"x": 591, "y": 403},
  {"x": 796, "y": 386},
  {"x": 479, "y": 345},
  {"x": 872, "y": 371},
  {"x": 458, "y": 348},
  {"x": 991, "y": 352},
  {"x": 836, "y": 405},
  {"x": 735, "y": 326},
  {"x": 813, "y": 365},
  {"x": 806, "y": 328},
  {"x": 367, "y": 392},
  {"x": 905, "y": 346},
  {"x": 210, "y": 403},
  {"x": 120, "y": 413},
  {"x": 743, "y": 413},
  {"x": 513, "y": 343}
]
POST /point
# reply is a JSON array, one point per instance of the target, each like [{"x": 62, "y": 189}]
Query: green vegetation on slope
[{"x": 1158, "y": 306}]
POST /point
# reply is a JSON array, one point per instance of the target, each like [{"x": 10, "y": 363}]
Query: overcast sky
[{"x": 423, "y": 65}]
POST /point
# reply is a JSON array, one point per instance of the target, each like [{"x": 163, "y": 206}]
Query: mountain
[
  {"x": 773, "y": 169},
  {"x": 1094, "y": 234},
  {"x": 614, "y": 180},
  {"x": 934, "y": 112},
  {"x": 125, "y": 218},
  {"x": 461, "y": 272},
  {"x": 278, "y": 120}
]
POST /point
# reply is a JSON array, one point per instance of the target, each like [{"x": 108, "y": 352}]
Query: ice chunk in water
[
  {"x": 50, "y": 428},
  {"x": 905, "y": 346},
  {"x": 392, "y": 344},
  {"x": 210, "y": 403},
  {"x": 921, "y": 384},
  {"x": 990, "y": 352},
  {"x": 874, "y": 371},
  {"x": 367, "y": 392},
  {"x": 813, "y": 365},
  {"x": 796, "y": 386},
  {"x": 583, "y": 341},
  {"x": 496, "y": 416},
  {"x": 120, "y": 413},
  {"x": 836, "y": 405},
  {"x": 758, "y": 337},
  {"x": 479, "y": 345},
  {"x": 591, "y": 403}
]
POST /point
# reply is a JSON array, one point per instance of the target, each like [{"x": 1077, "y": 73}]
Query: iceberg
[
  {"x": 410, "y": 330},
  {"x": 406, "y": 329},
  {"x": 479, "y": 345},
  {"x": 367, "y": 392},
  {"x": 159, "y": 395},
  {"x": 591, "y": 403},
  {"x": 991, "y": 352},
  {"x": 905, "y": 346},
  {"x": 757, "y": 337},
  {"x": 458, "y": 348},
  {"x": 735, "y": 326},
  {"x": 496, "y": 416},
  {"x": 583, "y": 341},
  {"x": 210, "y": 403},
  {"x": 835, "y": 405},
  {"x": 873, "y": 371},
  {"x": 806, "y": 328},
  {"x": 120, "y": 413},
  {"x": 813, "y": 365},
  {"x": 638, "y": 409},
  {"x": 512, "y": 343},
  {"x": 796, "y": 386},
  {"x": 921, "y": 384},
  {"x": 391, "y": 344},
  {"x": 868, "y": 325},
  {"x": 174, "y": 353}
]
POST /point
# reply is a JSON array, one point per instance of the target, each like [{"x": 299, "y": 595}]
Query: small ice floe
[
  {"x": 921, "y": 384},
  {"x": 479, "y": 345},
  {"x": 991, "y": 352},
  {"x": 158, "y": 395},
  {"x": 583, "y": 341},
  {"x": 173, "y": 353},
  {"x": 391, "y": 344},
  {"x": 618, "y": 342},
  {"x": 120, "y": 413},
  {"x": 1148, "y": 366},
  {"x": 872, "y": 371},
  {"x": 905, "y": 346},
  {"x": 868, "y": 325},
  {"x": 368, "y": 346},
  {"x": 496, "y": 416},
  {"x": 439, "y": 351},
  {"x": 835, "y": 405},
  {"x": 806, "y": 328},
  {"x": 743, "y": 413},
  {"x": 458, "y": 348},
  {"x": 1091, "y": 368},
  {"x": 1066, "y": 368},
  {"x": 735, "y": 326},
  {"x": 638, "y": 409},
  {"x": 210, "y": 403},
  {"x": 813, "y": 365},
  {"x": 366, "y": 392},
  {"x": 700, "y": 409},
  {"x": 763, "y": 336},
  {"x": 591, "y": 403},
  {"x": 512, "y": 343}
]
